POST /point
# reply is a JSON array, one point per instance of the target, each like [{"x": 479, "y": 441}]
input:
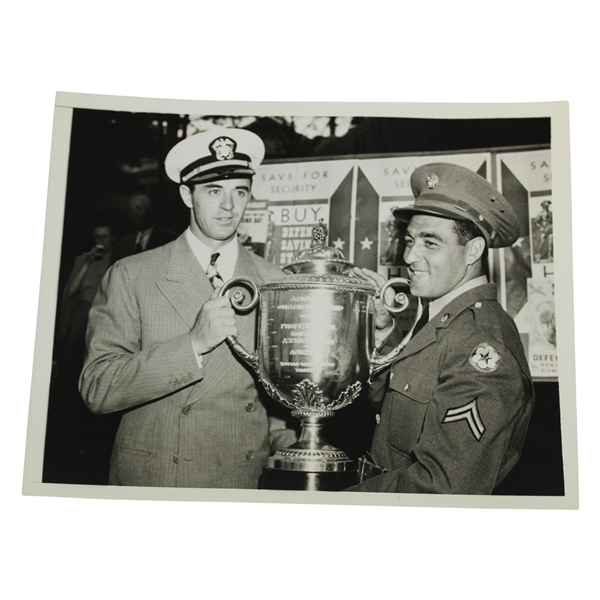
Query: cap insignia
[
  {"x": 223, "y": 148},
  {"x": 432, "y": 181}
]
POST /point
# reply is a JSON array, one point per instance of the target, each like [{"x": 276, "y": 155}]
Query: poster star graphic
[
  {"x": 339, "y": 244},
  {"x": 366, "y": 244}
]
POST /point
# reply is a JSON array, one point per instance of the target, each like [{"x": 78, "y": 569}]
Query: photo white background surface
[{"x": 309, "y": 51}]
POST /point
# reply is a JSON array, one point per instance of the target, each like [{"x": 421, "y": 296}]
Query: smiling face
[
  {"x": 217, "y": 208},
  {"x": 437, "y": 263}
]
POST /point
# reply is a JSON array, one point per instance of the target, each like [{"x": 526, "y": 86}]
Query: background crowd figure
[{"x": 79, "y": 447}]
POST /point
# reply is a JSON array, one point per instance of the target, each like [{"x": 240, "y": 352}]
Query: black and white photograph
[
  {"x": 358, "y": 304},
  {"x": 384, "y": 385}
]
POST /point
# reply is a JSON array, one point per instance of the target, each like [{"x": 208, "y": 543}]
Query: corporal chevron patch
[{"x": 468, "y": 413}]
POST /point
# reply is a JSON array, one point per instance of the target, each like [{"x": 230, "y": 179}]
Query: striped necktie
[{"x": 213, "y": 273}]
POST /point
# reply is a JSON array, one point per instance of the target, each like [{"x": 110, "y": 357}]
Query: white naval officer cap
[{"x": 220, "y": 153}]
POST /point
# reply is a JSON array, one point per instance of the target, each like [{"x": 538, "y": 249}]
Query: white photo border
[{"x": 563, "y": 262}]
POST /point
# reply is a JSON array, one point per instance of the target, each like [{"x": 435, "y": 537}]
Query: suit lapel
[
  {"x": 186, "y": 286},
  {"x": 246, "y": 325}
]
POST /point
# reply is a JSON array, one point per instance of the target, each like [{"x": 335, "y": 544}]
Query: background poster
[
  {"x": 538, "y": 321},
  {"x": 298, "y": 195},
  {"x": 525, "y": 179}
]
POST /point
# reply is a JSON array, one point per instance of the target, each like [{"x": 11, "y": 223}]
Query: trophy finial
[
  {"x": 318, "y": 257},
  {"x": 319, "y": 234}
]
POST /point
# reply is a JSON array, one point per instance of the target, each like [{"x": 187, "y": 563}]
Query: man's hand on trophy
[
  {"x": 215, "y": 322},
  {"x": 383, "y": 319}
]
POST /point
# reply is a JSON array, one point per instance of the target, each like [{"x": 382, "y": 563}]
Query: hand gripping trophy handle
[
  {"x": 379, "y": 362},
  {"x": 250, "y": 358}
]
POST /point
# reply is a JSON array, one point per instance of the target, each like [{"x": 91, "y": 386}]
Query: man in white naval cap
[
  {"x": 192, "y": 413},
  {"x": 455, "y": 406}
]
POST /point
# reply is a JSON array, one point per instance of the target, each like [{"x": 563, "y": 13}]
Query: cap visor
[
  {"x": 222, "y": 174},
  {"x": 405, "y": 214}
]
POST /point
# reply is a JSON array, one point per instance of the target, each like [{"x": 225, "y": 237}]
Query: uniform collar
[
  {"x": 480, "y": 293},
  {"x": 428, "y": 335},
  {"x": 436, "y": 306}
]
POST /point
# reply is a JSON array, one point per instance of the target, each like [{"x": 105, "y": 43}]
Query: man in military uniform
[
  {"x": 456, "y": 405},
  {"x": 192, "y": 413}
]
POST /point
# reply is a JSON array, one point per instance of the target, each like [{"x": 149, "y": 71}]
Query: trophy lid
[{"x": 319, "y": 258}]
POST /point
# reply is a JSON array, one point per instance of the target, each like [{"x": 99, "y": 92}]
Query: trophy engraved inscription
[{"x": 315, "y": 350}]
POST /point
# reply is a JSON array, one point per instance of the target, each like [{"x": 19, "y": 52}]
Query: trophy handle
[
  {"x": 379, "y": 362},
  {"x": 250, "y": 358}
]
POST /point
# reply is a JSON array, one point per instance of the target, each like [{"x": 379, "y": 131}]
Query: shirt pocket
[{"x": 405, "y": 407}]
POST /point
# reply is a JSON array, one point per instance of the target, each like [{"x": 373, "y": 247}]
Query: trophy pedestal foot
[{"x": 324, "y": 481}]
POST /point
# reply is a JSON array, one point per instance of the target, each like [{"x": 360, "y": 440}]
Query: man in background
[{"x": 147, "y": 235}]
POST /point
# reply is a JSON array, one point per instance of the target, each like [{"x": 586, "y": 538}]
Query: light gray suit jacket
[{"x": 183, "y": 426}]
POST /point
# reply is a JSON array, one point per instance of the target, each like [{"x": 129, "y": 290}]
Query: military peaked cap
[{"x": 455, "y": 192}]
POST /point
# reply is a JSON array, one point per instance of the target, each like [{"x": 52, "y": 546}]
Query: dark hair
[
  {"x": 143, "y": 191},
  {"x": 466, "y": 231},
  {"x": 104, "y": 223}
]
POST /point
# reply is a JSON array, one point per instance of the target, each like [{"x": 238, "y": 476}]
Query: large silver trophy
[{"x": 315, "y": 355}]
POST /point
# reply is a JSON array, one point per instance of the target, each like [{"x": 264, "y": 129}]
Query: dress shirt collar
[
  {"x": 435, "y": 306},
  {"x": 228, "y": 254},
  {"x": 143, "y": 237}
]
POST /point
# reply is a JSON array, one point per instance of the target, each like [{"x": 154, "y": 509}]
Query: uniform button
[
  {"x": 406, "y": 387},
  {"x": 477, "y": 304},
  {"x": 249, "y": 407},
  {"x": 377, "y": 419},
  {"x": 445, "y": 318},
  {"x": 249, "y": 455},
  {"x": 186, "y": 409},
  {"x": 391, "y": 376},
  {"x": 175, "y": 458}
]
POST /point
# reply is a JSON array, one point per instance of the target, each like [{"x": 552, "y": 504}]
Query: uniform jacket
[
  {"x": 159, "y": 236},
  {"x": 183, "y": 426},
  {"x": 457, "y": 403}
]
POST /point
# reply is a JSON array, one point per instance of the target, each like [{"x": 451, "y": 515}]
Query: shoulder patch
[{"x": 485, "y": 358}]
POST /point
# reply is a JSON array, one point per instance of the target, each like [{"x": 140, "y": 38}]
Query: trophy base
[
  {"x": 324, "y": 459},
  {"x": 330, "y": 481}
]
